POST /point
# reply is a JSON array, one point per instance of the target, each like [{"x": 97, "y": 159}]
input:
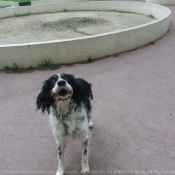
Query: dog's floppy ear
[
  {"x": 76, "y": 88},
  {"x": 44, "y": 99}
]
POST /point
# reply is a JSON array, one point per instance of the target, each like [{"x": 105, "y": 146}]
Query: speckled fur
[{"x": 69, "y": 118}]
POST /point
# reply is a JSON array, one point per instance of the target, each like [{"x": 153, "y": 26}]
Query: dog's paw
[
  {"x": 90, "y": 124},
  {"x": 85, "y": 169},
  {"x": 60, "y": 172}
]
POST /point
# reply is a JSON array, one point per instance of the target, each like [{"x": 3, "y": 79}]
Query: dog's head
[
  {"x": 59, "y": 87},
  {"x": 62, "y": 89}
]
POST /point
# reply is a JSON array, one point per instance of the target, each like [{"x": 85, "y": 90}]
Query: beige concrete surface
[{"x": 57, "y": 26}]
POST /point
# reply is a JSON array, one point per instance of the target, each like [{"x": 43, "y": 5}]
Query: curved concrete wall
[
  {"x": 96, "y": 46},
  {"x": 162, "y": 2}
]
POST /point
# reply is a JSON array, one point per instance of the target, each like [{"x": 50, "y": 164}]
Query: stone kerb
[
  {"x": 162, "y": 2},
  {"x": 79, "y": 49}
]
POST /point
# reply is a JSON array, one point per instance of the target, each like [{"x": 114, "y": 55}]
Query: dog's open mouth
[{"x": 62, "y": 95}]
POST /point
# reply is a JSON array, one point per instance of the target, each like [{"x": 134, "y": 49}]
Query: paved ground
[{"x": 133, "y": 112}]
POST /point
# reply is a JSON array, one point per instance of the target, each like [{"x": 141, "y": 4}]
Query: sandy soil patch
[{"x": 65, "y": 25}]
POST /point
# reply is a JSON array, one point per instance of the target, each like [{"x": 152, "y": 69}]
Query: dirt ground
[{"x": 64, "y": 25}]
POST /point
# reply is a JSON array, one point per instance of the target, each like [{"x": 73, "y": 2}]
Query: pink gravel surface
[{"x": 133, "y": 112}]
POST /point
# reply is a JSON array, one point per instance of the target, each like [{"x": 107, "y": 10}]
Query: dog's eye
[
  {"x": 54, "y": 78},
  {"x": 62, "y": 75}
]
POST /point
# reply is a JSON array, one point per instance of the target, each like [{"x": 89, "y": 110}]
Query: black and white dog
[{"x": 68, "y": 102}]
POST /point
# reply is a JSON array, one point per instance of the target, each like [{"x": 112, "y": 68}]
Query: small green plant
[
  {"x": 151, "y": 43},
  {"x": 70, "y": 26},
  {"x": 5, "y": 6},
  {"x": 24, "y": 14},
  {"x": 24, "y": 0},
  {"x": 64, "y": 10},
  {"x": 151, "y": 16},
  {"x": 11, "y": 69},
  {"x": 81, "y": 32},
  {"x": 45, "y": 64},
  {"x": 18, "y": 0},
  {"x": 89, "y": 59}
]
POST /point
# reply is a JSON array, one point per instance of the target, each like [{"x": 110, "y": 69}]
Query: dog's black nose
[{"x": 61, "y": 83}]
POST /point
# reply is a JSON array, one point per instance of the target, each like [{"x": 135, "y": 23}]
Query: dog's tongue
[
  {"x": 57, "y": 97},
  {"x": 61, "y": 96}
]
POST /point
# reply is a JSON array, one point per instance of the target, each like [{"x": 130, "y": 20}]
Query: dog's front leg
[
  {"x": 85, "y": 154},
  {"x": 61, "y": 148}
]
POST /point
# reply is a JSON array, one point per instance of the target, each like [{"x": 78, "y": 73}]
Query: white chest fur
[{"x": 69, "y": 121}]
